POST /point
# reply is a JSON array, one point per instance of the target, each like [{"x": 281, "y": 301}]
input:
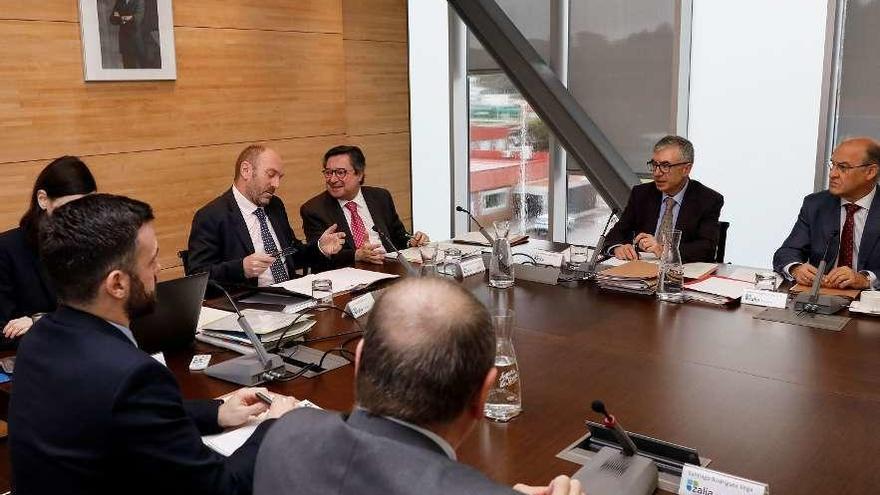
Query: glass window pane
[
  {"x": 530, "y": 17},
  {"x": 858, "y": 113},
  {"x": 622, "y": 68},
  {"x": 509, "y": 157},
  {"x": 587, "y": 211}
]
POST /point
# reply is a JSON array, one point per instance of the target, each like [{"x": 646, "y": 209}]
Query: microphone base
[
  {"x": 610, "y": 472},
  {"x": 824, "y": 305},
  {"x": 247, "y": 369}
]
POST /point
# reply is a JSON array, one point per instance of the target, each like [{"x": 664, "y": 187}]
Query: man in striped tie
[
  {"x": 244, "y": 236},
  {"x": 357, "y": 209},
  {"x": 672, "y": 201}
]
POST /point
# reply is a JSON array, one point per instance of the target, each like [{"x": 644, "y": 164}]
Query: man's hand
[
  {"x": 844, "y": 277},
  {"x": 281, "y": 405},
  {"x": 240, "y": 407},
  {"x": 626, "y": 252},
  {"x": 804, "y": 273},
  {"x": 648, "y": 243},
  {"x": 331, "y": 241},
  {"x": 255, "y": 264},
  {"x": 370, "y": 253},
  {"x": 17, "y": 327},
  {"x": 561, "y": 485},
  {"x": 419, "y": 239}
]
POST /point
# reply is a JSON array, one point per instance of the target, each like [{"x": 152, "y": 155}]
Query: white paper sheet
[
  {"x": 209, "y": 315},
  {"x": 698, "y": 269},
  {"x": 227, "y": 442},
  {"x": 343, "y": 279},
  {"x": 720, "y": 286},
  {"x": 748, "y": 275}
]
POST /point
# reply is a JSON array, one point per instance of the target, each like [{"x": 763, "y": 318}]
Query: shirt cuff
[
  {"x": 318, "y": 243},
  {"x": 610, "y": 251},
  {"x": 872, "y": 279},
  {"x": 786, "y": 271}
]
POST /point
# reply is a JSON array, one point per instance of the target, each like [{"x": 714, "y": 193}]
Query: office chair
[{"x": 722, "y": 241}]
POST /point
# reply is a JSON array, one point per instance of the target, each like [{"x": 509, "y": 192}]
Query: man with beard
[
  {"x": 244, "y": 236},
  {"x": 90, "y": 412}
]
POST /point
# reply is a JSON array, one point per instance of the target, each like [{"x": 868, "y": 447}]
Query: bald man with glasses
[
  {"x": 845, "y": 218},
  {"x": 672, "y": 201}
]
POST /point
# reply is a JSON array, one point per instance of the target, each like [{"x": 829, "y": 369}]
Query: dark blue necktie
[{"x": 279, "y": 274}]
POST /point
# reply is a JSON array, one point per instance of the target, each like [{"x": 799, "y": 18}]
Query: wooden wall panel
[
  {"x": 45, "y": 10},
  {"x": 375, "y": 20},
  {"x": 377, "y": 87},
  {"x": 232, "y": 86},
  {"x": 313, "y": 16},
  {"x": 388, "y": 166}
]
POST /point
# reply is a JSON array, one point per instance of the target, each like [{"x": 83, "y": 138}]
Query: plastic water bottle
[{"x": 505, "y": 397}]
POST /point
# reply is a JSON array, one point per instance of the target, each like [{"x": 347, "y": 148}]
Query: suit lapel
[
  {"x": 830, "y": 225},
  {"x": 376, "y": 210},
  {"x": 281, "y": 228},
  {"x": 237, "y": 221},
  {"x": 871, "y": 232},
  {"x": 689, "y": 204},
  {"x": 335, "y": 209},
  {"x": 653, "y": 209}
]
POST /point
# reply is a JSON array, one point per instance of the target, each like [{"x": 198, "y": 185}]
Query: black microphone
[
  {"x": 600, "y": 244},
  {"x": 629, "y": 448},
  {"x": 411, "y": 270},
  {"x": 820, "y": 270},
  {"x": 482, "y": 230}
]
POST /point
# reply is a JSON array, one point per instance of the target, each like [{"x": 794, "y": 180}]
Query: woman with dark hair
[{"x": 25, "y": 293}]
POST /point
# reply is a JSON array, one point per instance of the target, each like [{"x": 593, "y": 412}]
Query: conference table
[{"x": 782, "y": 404}]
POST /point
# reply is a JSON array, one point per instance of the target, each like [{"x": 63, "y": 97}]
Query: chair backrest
[
  {"x": 722, "y": 241},
  {"x": 184, "y": 258}
]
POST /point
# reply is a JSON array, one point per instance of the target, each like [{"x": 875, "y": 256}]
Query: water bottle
[
  {"x": 501, "y": 264},
  {"x": 505, "y": 397},
  {"x": 671, "y": 288}
]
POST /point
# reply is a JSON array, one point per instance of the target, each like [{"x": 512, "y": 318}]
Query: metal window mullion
[
  {"x": 458, "y": 111},
  {"x": 557, "y": 193}
]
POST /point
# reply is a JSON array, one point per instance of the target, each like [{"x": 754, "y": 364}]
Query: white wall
[
  {"x": 755, "y": 94},
  {"x": 429, "y": 117}
]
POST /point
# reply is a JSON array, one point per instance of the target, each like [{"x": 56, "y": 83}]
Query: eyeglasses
[
  {"x": 845, "y": 167},
  {"x": 339, "y": 173},
  {"x": 664, "y": 167}
]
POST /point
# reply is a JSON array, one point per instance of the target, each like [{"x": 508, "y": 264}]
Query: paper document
[
  {"x": 698, "y": 270},
  {"x": 262, "y": 322},
  {"x": 748, "y": 275},
  {"x": 227, "y": 442},
  {"x": 209, "y": 315},
  {"x": 413, "y": 255},
  {"x": 612, "y": 261},
  {"x": 827, "y": 291},
  {"x": 720, "y": 286},
  {"x": 477, "y": 238},
  {"x": 632, "y": 269},
  {"x": 343, "y": 279}
]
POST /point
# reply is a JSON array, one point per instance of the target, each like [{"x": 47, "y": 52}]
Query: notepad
[{"x": 227, "y": 442}]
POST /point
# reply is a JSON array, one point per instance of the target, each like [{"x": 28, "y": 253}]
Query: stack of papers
[
  {"x": 413, "y": 255},
  {"x": 698, "y": 270},
  {"x": 637, "y": 277},
  {"x": 227, "y": 442},
  {"x": 343, "y": 280},
  {"x": 268, "y": 325},
  {"x": 716, "y": 290}
]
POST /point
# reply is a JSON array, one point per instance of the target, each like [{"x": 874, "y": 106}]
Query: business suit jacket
[
  {"x": 24, "y": 286},
  {"x": 92, "y": 414},
  {"x": 697, "y": 219},
  {"x": 818, "y": 223},
  {"x": 219, "y": 241},
  {"x": 323, "y": 210},
  {"x": 312, "y": 452}
]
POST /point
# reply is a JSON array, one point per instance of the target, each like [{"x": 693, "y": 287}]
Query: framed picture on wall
[{"x": 127, "y": 40}]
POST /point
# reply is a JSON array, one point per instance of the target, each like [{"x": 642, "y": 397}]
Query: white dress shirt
[
  {"x": 364, "y": 213},
  {"x": 252, "y": 223},
  {"x": 860, "y": 217}
]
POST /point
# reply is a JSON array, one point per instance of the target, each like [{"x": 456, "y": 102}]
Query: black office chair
[
  {"x": 722, "y": 241},
  {"x": 184, "y": 258}
]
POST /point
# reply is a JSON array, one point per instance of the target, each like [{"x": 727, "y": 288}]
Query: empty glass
[
  {"x": 501, "y": 264},
  {"x": 322, "y": 291},
  {"x": 428, "y": 253},
  {"x": 765, "y": 281}
]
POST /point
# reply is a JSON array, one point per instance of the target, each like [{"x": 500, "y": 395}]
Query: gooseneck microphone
[
  {"x": 482, "y": 229},
  {"x": 245, "y": 370},
  {"x": 629, "y": 448},
  {"x": 411, "y": 270},
  {"x": 600, "y": 245},
  {"x": 812, "y": 303},
  {"x": 820, "y": 270}
]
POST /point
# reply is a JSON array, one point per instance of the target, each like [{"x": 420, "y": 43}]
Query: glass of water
[
  {"x": 428, "y": 253},
  {"x": 322, "y": 291}
]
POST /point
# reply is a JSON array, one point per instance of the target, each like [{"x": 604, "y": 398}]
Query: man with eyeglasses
[
  {"x": 671, "y": 201},
  {"x": 356, "y": 208},
  {"x": 244, "y": 236},
  {"x": 845, "y": 219}
]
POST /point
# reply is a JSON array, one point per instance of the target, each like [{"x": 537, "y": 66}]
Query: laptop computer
[{"x": 173, "y": 324}]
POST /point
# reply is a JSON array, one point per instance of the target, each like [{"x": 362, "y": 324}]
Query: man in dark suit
[
  {"x": 672, "y": 201},
  {"x": 91, "y": 413},
  {"x": 423, "y": 372},
  {"x": 241, "y": 237},
  {"x": 356, "y": 209},
  {"x": 845, "y": 220}
]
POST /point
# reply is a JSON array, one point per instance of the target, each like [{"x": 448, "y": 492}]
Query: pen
[{"x": 265, "y": 398}]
